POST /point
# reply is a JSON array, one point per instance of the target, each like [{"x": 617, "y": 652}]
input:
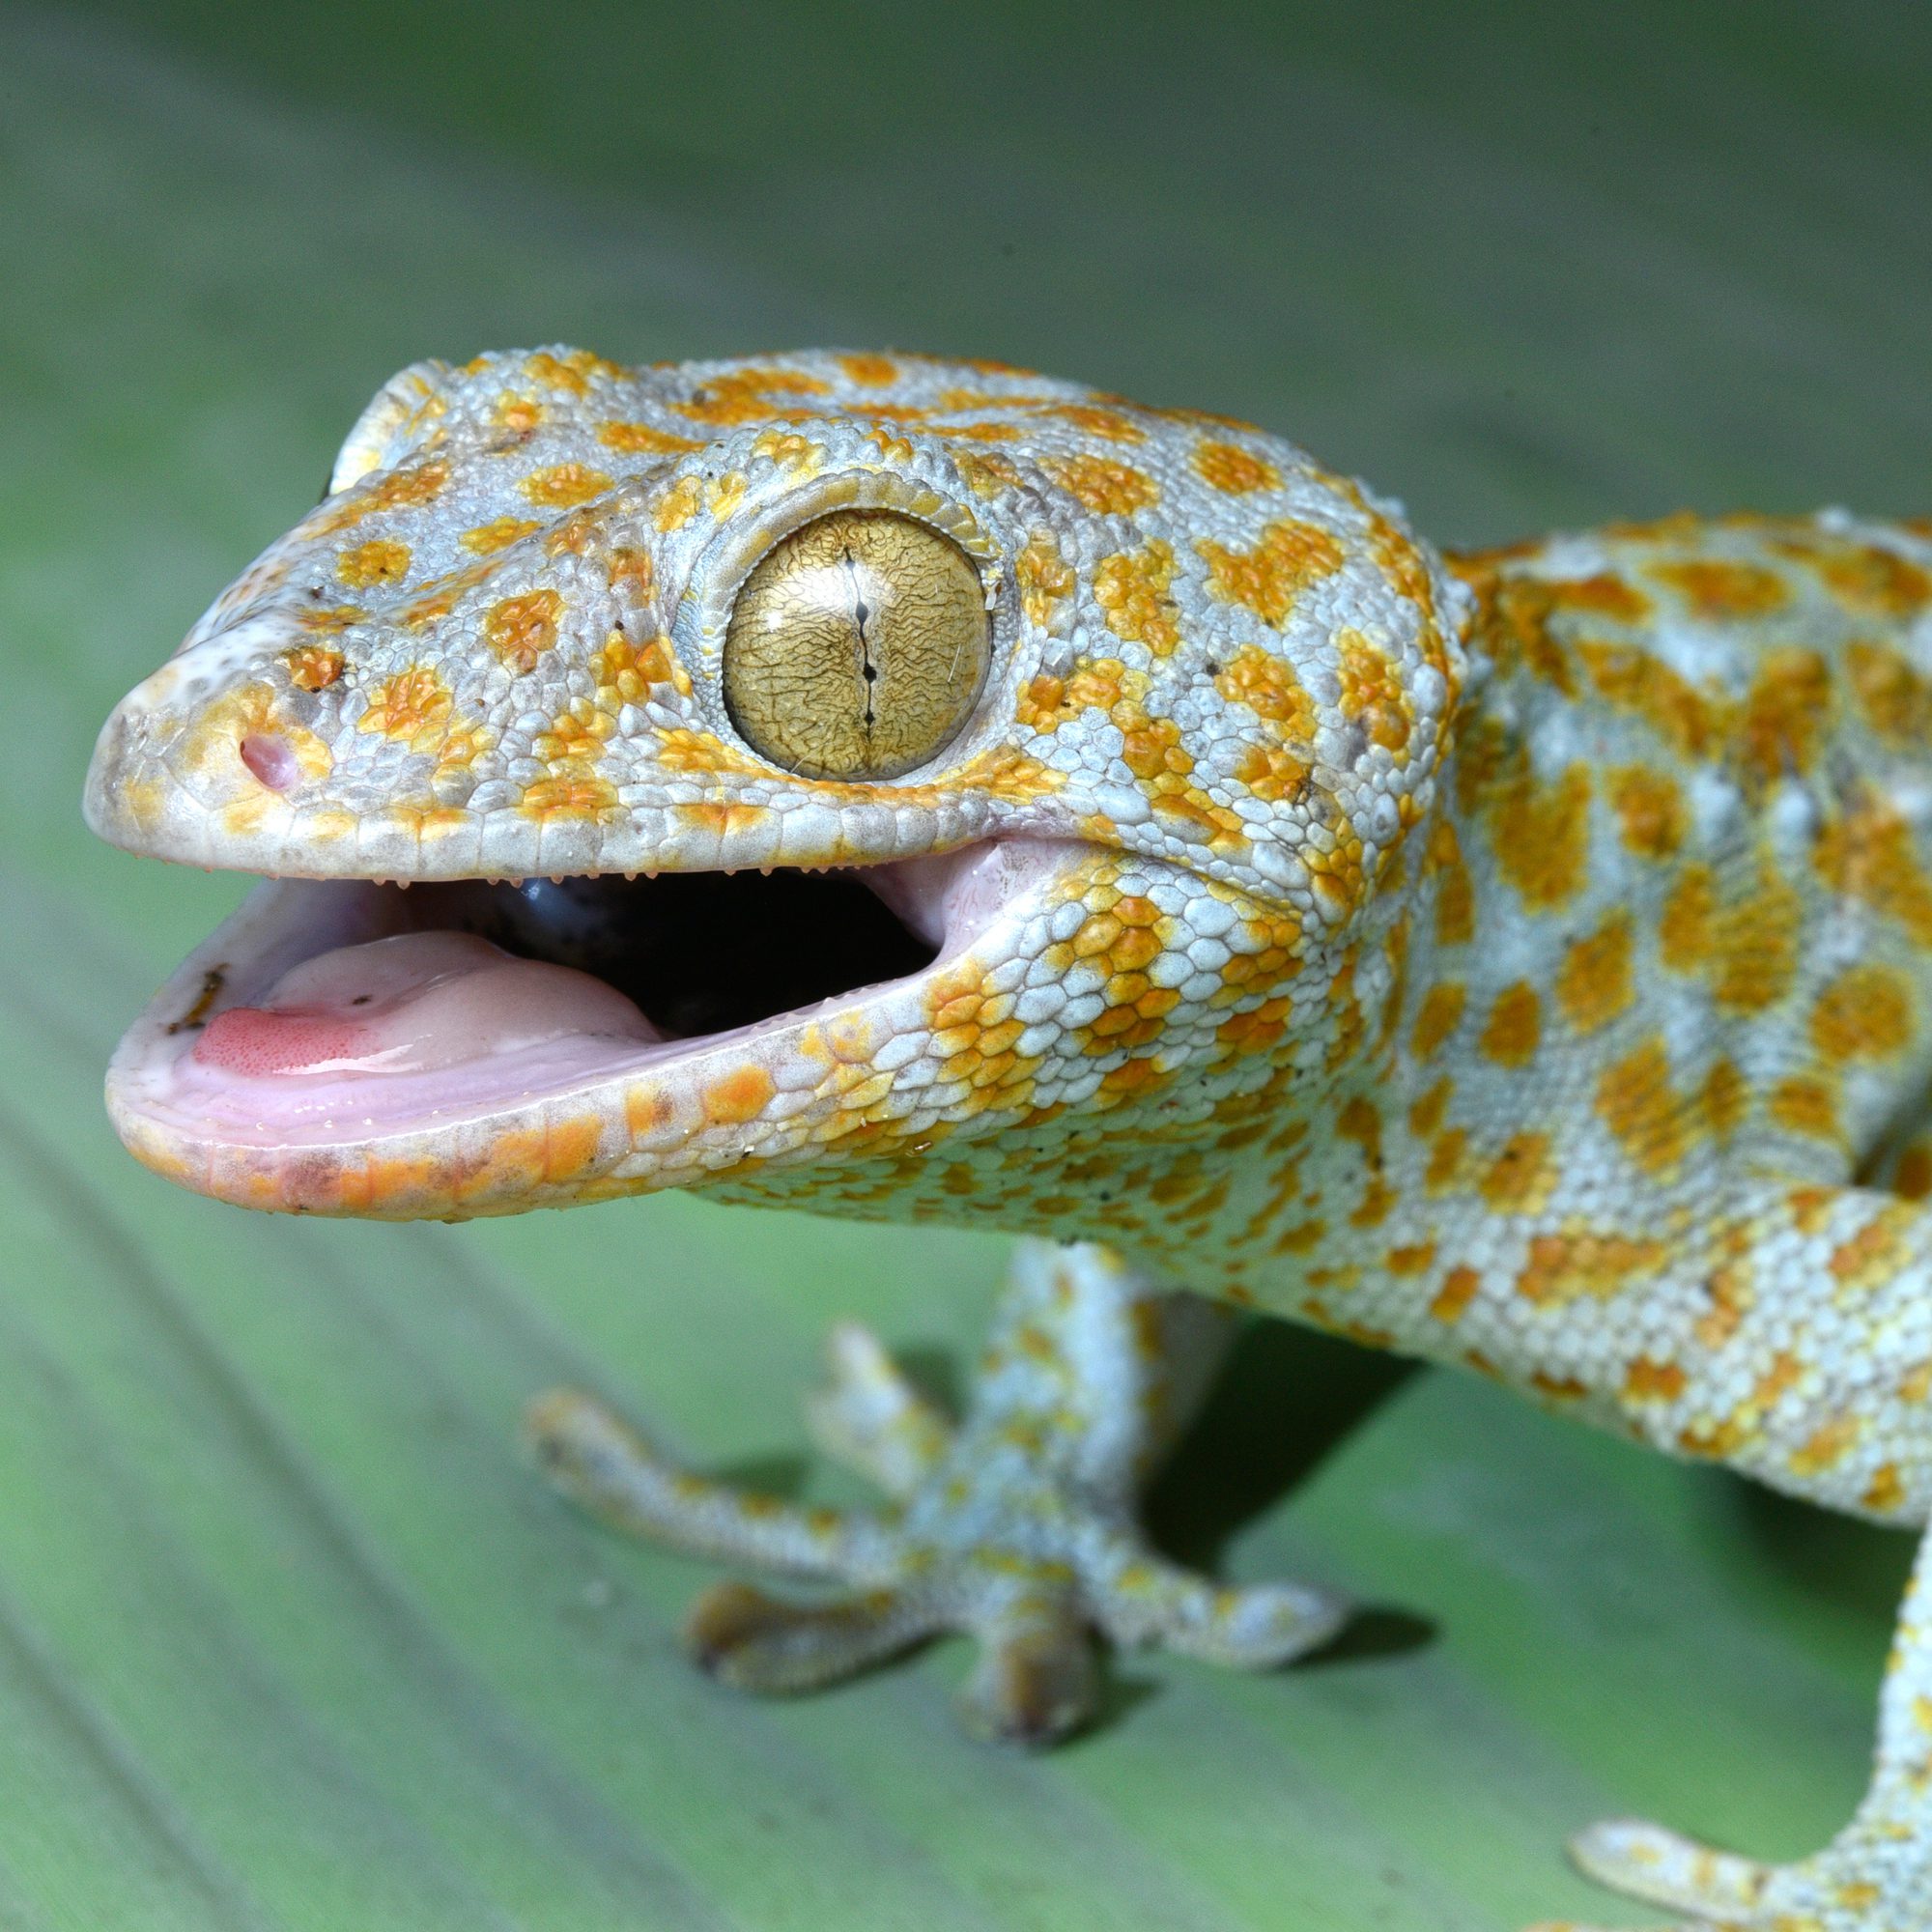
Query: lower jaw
[{"x": 581, "y": 1122}]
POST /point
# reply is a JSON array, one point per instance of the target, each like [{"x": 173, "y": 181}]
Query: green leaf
[{"x": 290, "y": 1635}]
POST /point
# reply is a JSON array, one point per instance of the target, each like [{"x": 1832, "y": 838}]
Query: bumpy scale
[{"x": 1522, "y": 961}]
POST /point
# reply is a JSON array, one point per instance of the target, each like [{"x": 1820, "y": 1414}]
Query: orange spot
[
  {"x": 313, "y": 667},
  {"x": 1685, "y": 930},
  {"x": 646, "y": 1110},
  {"x": 380, "y": 560},
  {"x": 570, "y": 1147},
  {"x": 722, "y": 818},
  {"x": 1646, "y": 1380},
  {"x": 569, "y": 794},
  {"x": 407, "y": 488},
  {"x": 520, "y": 629},
  {"x": 1228, "y": 466},
  {"x": 1895, "y": 701},
  {"x": 1865, "y": 1013},
  {"x": 1651, "y": 818},
  {"x": 1828, "y": 1446},
  {"x": 1723, "y": 592},
  {"x": 1153, "y": 747},
  {"x": 1885, "y": 1492},
  {"x": 1723, "y": 1099},
  {"x": 1425, "y": 1113},
  {"x": 1512, "y": 625},
  {"x": 1594, "y": 983},
  {"x": 1912, "y": 1176},
  {"x": 636, "y": 439},
  {"x": 871, "y": 370},
  {"x": 1455, "y": 889},
  {"x": 1731, "y": 1295},
  {"x": 1748, "y": 945},
  {"x": 1044, "y": 579},
  {"x": 1568, "y": 1266},
  {"x": 1868, "y": 855},
  {"x": 570, "y": 372},
  {"x": 412, "y": 708},
  {"x": 1271, "y": 773},
  {"x": 1805, "y": 1106},
  {"x": 1108, "y": 424},
  {"x": 1873, "y": 582},
  {"x": 985, "y": 474},
  {"x": 1131, "y": 590},
  {"x": 1107, "y": 488},
  {"x": 564, "y": 485},
  {"x": 1540, "y": 834},
  {"x": 1520, "y": 1180},
  {"x": 1372, "y": 691},
  {"x": 1878, "y": 1252},
  {"x": 1787, "y": 712},
  {"x": 1603, "y": 595},
  {"x": 1633, "y": 680},
  {"x": 1716, "y": 1441},
  {"x": 1437, "y": 1017},
  {"x": 678, "y": 505},
  {"x": 486, "y": 539},
  {"x": 745, "y": 395},
  {"x": 1515, "y": 1026},
  {"x": 1287, "y": 558},
  {"x": 1301, "y": 1239},
  {"x": 741, "y": 1095},
  {"x": 1267, "y": 686},
  {"x": 1458, "y": 1288},
  {"x": 519, "y": 415},
  {"x": 1636, "y": 1101}
]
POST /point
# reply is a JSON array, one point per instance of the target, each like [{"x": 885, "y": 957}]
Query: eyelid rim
[
  {"x": 391, "y": 422},
  {"x": 703, "y": 613}
]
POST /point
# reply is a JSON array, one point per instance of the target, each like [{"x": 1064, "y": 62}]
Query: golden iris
[{"x": 856, "y": 647}]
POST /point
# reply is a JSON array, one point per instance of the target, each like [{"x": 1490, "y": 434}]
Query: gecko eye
[{"x": 856, "y": 647}]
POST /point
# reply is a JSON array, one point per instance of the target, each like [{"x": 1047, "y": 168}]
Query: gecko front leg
[
  {"x": 1016, "y": 1524},
  {"x": 1820, "y": 1388}
]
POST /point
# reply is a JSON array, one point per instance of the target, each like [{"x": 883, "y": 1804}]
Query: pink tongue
[{"x": 410, "y": 1004}]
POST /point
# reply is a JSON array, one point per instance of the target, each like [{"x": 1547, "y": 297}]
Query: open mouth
[{"x": 334, "y": 1012}]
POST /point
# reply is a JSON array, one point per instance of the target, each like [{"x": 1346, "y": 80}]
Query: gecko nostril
[{"x": 272, "y": 759}]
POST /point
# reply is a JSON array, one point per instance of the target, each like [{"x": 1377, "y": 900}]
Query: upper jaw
[{"x": 596, "y": 1118}]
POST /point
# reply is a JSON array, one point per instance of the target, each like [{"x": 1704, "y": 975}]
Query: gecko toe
[
  {"x": 1663, "y": 1868},
  {"x": 772, "y": 1647},
  {"x": 1037, "y": 1678},
  {"x": 1143, "y": 1598}
]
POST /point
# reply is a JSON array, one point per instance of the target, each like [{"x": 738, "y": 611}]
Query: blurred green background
[{"x": 289, "y": 1636}]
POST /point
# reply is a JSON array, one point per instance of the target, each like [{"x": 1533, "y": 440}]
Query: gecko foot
[
  {"x": 1873, "y": 1878},
  {"x": 1015, "y": 1526}
]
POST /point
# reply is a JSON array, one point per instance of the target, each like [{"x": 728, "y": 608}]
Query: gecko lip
[{"x": 342, "y": 1014}]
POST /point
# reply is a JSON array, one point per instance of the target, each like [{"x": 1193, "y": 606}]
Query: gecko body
[{"x": 931, "y": 791}]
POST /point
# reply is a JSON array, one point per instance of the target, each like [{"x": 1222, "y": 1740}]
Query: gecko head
[{"x": 791, "y": 763}]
